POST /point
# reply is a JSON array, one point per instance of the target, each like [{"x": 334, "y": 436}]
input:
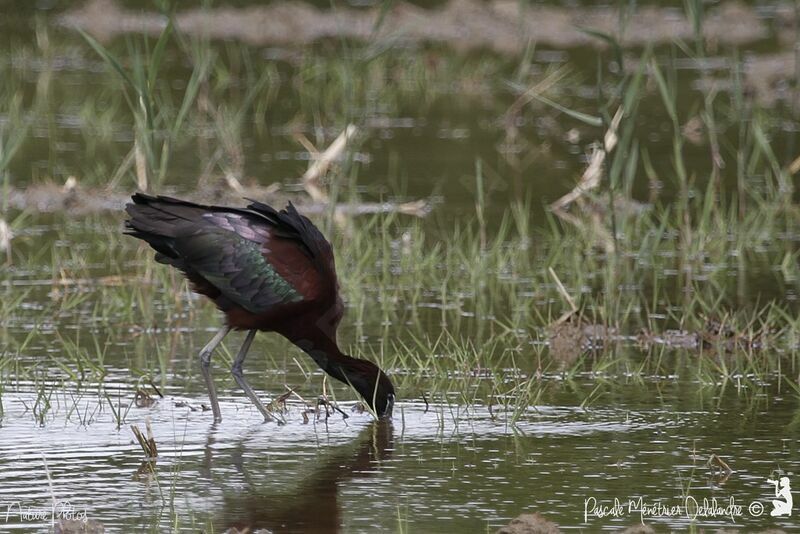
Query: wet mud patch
[
  {"x": 502, "y": 25},
  {"x": 577, "y": 335},
  {"x": 77, "y": 200}
]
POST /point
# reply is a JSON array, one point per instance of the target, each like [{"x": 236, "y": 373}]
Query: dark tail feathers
[{"x": 160, "y": 220}]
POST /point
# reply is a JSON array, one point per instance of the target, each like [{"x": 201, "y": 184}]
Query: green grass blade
[
  {"x": 585, "y": 118},
  {"x": 109, "y": 58}
]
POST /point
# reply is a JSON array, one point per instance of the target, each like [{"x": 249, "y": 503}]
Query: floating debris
[
  {"x": 571, "y": 338},
  {"x": 148, "y": 444},
  {"x": 722, "y": 470},
  {"x": 573, "y": 335},
  {"x": 530, "y": 524},
  {"x": 715, "y": 334},
  {"x": 678, "y": 339},
  {"x": 184, "y": 404},
  {"x": 322, "y": 162},
  {"x": 143, "y": 399},
  {"x": 567, "y": 342}
]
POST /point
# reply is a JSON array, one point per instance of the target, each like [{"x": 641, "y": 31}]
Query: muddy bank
[
  {"x": 576, "y": 335},
  {"x": 75, "y": 199},
  {"x": 505, "y": 26},
  {"x": 530, "y": 524}
]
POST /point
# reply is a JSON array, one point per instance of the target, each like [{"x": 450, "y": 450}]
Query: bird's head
[
  {"x": 373, "y": 385},
  {"x": 362, "y": 375}
]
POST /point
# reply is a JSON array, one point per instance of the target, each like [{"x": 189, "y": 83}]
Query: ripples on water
[
  {"x": 435, "y": 468},
  {"x": 449, "y": 465}
]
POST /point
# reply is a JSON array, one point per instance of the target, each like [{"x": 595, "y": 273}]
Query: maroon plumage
[{"x": 266, "y": 270}]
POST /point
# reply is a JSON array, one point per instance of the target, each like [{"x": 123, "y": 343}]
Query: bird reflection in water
[{"x": 314, "y": 505}]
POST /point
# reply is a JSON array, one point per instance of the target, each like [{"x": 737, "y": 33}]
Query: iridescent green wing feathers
[
  {"x": 224, "y": 246},
  {"x": 237, "y": 267}
]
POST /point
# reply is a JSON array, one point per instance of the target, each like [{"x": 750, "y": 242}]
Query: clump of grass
[
  {"x": 685, "y": 255},
  {"x": 157, "y": 124}
]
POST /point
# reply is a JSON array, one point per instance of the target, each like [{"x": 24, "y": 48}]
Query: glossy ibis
[{"x": 265, "y": 270}]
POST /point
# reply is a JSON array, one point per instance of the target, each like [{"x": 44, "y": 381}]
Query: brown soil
[
  {"x": 501, "y": 25},
  {"x": 571, "y": 338},
  {"x": 79, "y": 200},
  {"x": 505, "y": 26},
  {"x": 530, "y": 524}
]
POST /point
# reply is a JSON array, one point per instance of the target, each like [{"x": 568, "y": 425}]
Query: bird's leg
[
  {"x": 205, "y": 362},
  {"x": 238, "y": 375}
]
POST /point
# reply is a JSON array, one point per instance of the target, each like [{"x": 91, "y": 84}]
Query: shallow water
[
  {"x": 435, "y": 466},
  {"x": 74, "y": 349}
]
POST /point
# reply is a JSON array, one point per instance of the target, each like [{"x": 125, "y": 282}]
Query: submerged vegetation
[{"x": 654, "y": 244}]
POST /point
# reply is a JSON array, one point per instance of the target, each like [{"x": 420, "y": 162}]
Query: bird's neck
[
  {"x": 324, "y": 350},
  {"x": 362, "y": 375}
]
